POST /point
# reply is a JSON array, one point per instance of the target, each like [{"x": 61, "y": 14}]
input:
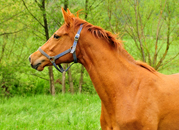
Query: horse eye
[{"x": 56, "y": 36}]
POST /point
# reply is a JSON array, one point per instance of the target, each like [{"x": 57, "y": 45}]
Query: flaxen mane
[{"x": 98, "y": 32}]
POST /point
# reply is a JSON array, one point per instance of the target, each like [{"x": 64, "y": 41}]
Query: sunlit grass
[{"x": 42, "y": 112}]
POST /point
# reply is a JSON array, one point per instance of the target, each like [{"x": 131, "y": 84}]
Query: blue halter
[{"x": 71, "y": 50}]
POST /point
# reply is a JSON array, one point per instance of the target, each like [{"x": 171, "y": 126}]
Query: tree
[
  {"x": 82, "y": 67},
  {"x": 151, "y": 25},
  {"x": 70, "y": 80},
  {"x": 149, "y": 30},
  {"x": 11, "y": 48},
  {"x": 63, "y": 79},
  {"x": 81, "y": 78},
  {"x": 44, "y": 25},
  {"x": 64, "y": 65}
]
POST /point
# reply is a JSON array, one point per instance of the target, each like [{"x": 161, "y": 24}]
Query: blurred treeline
[{"x": 149, "y": 29}]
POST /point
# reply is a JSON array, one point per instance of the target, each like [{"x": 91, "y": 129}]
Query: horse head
[{"x": 61, "y": 46}]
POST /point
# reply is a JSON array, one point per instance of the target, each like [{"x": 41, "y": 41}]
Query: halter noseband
[{"x": 71, "y": 50}]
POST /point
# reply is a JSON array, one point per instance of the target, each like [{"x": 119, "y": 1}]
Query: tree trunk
[
  {"x": 52, "y": 87},
  {"x": 45, "y": 26},
  {"x": 64, "y": 65},
  {"x": 65, "y": 5},
  {"x": 51, "y": 77},
  {"x": 63, "y": 79},
  {"x": 86, "y": 9},
  {"x": 3, "y": 46},
  {"x": 70, "y": 80},
  {"x": 82, "y": 67},
  {"x": 81, "y": 79}
]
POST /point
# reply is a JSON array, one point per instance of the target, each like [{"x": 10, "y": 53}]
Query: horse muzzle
[{"x": 36, "y": 65}]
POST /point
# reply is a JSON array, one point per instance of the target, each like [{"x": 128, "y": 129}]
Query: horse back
[{"x": 169, "y": 102}]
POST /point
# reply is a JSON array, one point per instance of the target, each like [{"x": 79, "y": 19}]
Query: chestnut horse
[{"x": 134, "y": 96}]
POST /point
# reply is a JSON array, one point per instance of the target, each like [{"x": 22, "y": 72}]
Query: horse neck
[{"x": 109, "y": 69}]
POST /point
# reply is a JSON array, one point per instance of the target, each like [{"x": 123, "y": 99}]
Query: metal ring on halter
[
  {"x": 52, "y": 59},
  {"x": 77, "y": 36}
]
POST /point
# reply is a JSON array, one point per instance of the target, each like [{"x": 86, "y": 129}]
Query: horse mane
[
  {"x": 146, "y": 66},
  {"x": 99, "y": 32}
]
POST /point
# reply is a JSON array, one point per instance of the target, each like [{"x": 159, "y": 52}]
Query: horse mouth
[{"x": 35, "y": 66}]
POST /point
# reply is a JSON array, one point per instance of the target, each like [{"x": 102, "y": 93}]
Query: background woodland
[{"x": 149, "y": 29}]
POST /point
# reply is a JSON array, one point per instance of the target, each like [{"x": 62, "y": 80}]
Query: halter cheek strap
[{"x": 71, "y": 50}]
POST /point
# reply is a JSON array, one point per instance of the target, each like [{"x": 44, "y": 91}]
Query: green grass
[{"x": 45, "y": 112}]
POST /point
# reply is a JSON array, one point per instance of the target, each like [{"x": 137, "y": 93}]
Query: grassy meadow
[{"x": 45, "y": 112}]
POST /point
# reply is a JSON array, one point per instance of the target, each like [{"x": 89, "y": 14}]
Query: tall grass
[{"x": 43, "y": 112}]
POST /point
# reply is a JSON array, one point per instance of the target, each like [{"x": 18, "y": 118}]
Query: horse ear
[
  {"x": 68, "y": 11},
  {"x": 66, "y": 17}
]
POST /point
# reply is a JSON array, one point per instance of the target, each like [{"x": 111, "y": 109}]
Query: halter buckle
[
  {"x": 52, "y": 59},
  {"x": 77, "y": 36}
]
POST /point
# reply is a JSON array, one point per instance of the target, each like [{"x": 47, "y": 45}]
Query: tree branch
[
  {"x": 11, "y": 17},
  {"x": 137, "y": 29},
  {"x": 168, "y": 61},
  {"x": 157, "y": 35},
  {"x": 32, "y": 14},
  {"x": 6, "y": 33},
  {"x": 168, "y": 40},
  {"x": 39, "y": 77}
]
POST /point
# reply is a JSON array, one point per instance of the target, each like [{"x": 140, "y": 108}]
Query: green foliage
[
  {"x": 16, "y": 85},
  {"x": 152, "y": 25},
  {"x": 64, "y": 112},
  {"x": 7, "y": 78},
  {"x": 21, "y": 35}
]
